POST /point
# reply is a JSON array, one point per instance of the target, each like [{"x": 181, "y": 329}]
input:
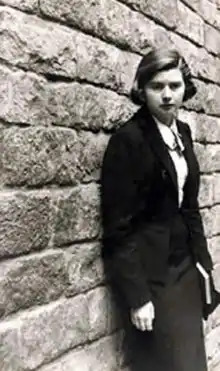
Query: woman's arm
[{"x": 119, "y": 203}]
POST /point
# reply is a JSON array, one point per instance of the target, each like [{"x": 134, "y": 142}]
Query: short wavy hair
[{"x": 160, "y": 60}]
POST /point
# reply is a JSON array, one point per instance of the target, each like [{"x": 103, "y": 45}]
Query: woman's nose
[{"x": 166, "y": 94}]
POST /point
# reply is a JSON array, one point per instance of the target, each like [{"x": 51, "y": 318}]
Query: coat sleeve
[
  {"x": 120, "y": 236},
  {"x": 194, "y": 220}
]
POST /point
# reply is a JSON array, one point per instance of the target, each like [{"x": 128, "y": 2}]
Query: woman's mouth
[{"x": 167, "y": 106}]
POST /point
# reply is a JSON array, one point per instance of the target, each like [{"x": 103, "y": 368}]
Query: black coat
[{"x": 139, "y": 198}]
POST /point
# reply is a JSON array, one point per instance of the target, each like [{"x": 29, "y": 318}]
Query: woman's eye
[
  {"x": 156, "y": 86},
  {"x": 175, "y": 85}
]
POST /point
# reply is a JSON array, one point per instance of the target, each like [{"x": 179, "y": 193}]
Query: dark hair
[{"x": 159, "y": 60}]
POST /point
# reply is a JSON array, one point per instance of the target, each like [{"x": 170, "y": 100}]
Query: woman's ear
[
  {"x": 137, "y": 94},
  {"x": 142, "y": 95}
]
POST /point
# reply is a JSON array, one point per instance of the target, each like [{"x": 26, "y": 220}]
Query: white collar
[{"x": 167, "y": 133}]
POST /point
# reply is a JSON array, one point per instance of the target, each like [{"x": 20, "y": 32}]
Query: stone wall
[{"x": 66, "y": 69}]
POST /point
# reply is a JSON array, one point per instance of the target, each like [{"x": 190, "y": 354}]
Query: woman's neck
[{"x": 168, "y": 122}]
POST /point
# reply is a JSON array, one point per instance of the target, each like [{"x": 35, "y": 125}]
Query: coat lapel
[
  {"x": 158, "y": 146},
  {"x": 193, "y": 169}
]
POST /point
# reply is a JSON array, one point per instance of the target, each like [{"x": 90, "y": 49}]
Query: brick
[
  {"x": 190, "y": 24},
  {"x": 108, "y": 20},
  {"x": 165, "y": 13},
  {"x": 24, "y": 222},
  {"x": 51, "y": 49},
  {"x": 208, "y": 156},
  {"x": 216, "y": 188},
  {"x": 35, "y": 156},
  {"x": 102, "y": 355},
  {"x": 103, "y": 315},
  {"x": 26, "y": 98},
  {"x": 43, "y": 334},
  {"x": 84, "y": 267},
  {"x": 76, "y": 214},
  {"x": 31, "y": 280},
  {"x": 26, "y": 5},
  {"x": 206, "y": 191},
  {"x": 216, "y": 219},
  {"x": 212, "y": 39}
]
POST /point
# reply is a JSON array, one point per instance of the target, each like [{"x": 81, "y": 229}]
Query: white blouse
[{"x": 177, "y": 157}]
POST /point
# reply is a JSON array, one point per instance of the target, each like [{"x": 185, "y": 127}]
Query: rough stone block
[
  {"x": 109, "y": 349},
  {"x": 86, "y": 107},
  {"x": 165, "y": 13},
  {"x": 193, "y": 4},
  {"x": 103, "y": 315},
  {"x": 201, "y": 63},
  {"x": 191, "y": 118},
  {"x": 207, "y": 220},
  {"x": 26, "y": 98},
  {"x": 197, "y": 103},
  {"x": 209, "y": 11},
  {"x": 208, "y": 157},
  {"x": 35, "y": 156},
  {"x": 209, "y": 66},
  {"x": 22, "y": 97},
  {"x": 31, "y": 280},
  {"x": 190, "y": 24},
  {"x": 216, "y": 220},
  {"x": 213, "y": 322},
  {"x": 212, "y": 39},
  {"x": 24, "y": 222},
  {"x": 109, "y": 20},
  {"x": 26, "y": 5},
  {"x": 211, "y": 102},
  {"x": 84, "y": 267},
  {"x": 207, "y": 128},
  {"x": 206, "y": 100},
  {"x": 51, "y": 49},
  {"x": 216, "y": 276},
  {"x": 216, "y": 364},
  {"x": 206, "y": 191},
  {"x": 43, "y": 334},
  {"x": 213, "y": 346},
  {"x": 215, "y": 249},
  {"x": 102, "y": 355},
  {"x": 76, "y": 215},
  {"x": 204, "y": 128},
  {"x": 216, "y": 188}
]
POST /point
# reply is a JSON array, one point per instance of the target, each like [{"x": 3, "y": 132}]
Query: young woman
[{"x": 153, "y": 233}]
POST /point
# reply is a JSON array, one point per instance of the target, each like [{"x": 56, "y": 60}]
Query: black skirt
[{"x": 177, "y": 341}]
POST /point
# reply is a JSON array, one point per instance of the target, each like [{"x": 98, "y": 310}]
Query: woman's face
[{"x": 164, "y": 94}]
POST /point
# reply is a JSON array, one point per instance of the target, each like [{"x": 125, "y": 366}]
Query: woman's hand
[{"x": 143, "y": 317}]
